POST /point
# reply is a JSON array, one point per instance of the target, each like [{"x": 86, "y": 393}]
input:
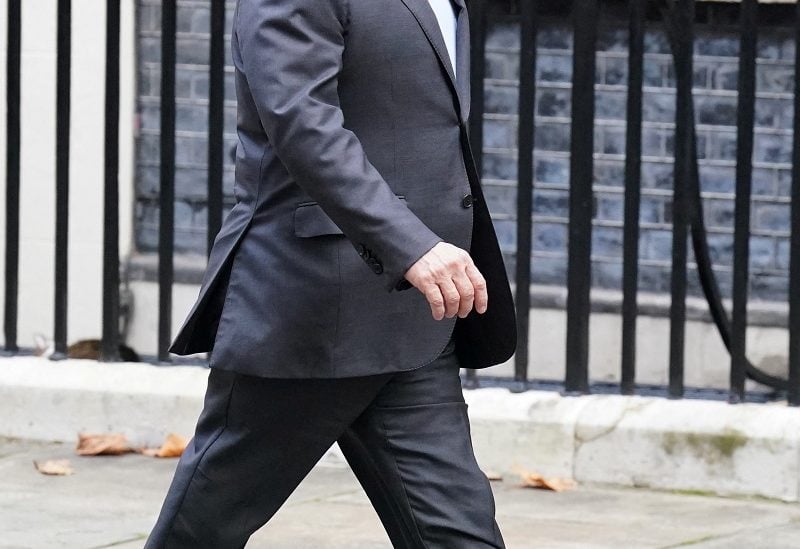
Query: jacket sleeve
[{"x": 292, "y": 51}]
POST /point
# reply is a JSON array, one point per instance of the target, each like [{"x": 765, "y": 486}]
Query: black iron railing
[{"x": 677, "y": 17}]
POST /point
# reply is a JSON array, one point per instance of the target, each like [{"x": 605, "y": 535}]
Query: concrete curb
[{"x": 747, "y": 449}]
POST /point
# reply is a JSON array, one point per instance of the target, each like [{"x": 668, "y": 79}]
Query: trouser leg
[
  {"x": 255, "y": 440},
  {"x": 412, "y": 452}
]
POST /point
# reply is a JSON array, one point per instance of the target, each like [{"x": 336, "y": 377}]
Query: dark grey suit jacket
[{"x": 352, "y": 163}]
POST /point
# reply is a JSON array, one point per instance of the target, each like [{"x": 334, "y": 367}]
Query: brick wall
[
  {"x": 716, "y": 68},
  {"x": 191, "y": 125},
  {"x": 715, "y": 99}
]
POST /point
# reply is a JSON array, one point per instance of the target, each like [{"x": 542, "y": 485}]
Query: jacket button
[
  {"x": 467, "y": 201},
  {"x": 377, "y": 268}
]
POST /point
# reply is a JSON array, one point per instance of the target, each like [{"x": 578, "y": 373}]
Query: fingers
[
  {"x": 479, "y": 285},
  {"x": 466, "y": 293},
  {"x": 434, "y": 296},
  {"x": 452, "y": 297},
  {"x": 450, "y": 282}
]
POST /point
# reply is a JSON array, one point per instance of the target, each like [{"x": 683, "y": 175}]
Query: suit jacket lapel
[{"x": 424, "y": 15}]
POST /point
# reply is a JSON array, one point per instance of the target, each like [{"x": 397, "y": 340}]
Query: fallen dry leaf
[
  {"x": 58, "y": 467},
  {"x": 173, "y": 446},
  {"x": 104, "y": 444},
  {"x": 533, "y": 480},
  {"x": 493, "y": 475}
]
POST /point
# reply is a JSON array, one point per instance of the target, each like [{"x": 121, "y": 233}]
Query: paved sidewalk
[{"x": 112, "y": 502}]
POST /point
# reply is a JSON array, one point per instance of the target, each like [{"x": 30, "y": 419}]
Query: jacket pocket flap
[{"x": 311, "y": 220}]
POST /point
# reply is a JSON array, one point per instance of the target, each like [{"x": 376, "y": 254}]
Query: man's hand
[{"x": 450, "y": 282}]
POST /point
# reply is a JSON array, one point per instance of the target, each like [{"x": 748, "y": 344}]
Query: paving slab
[{"x": 113, "y": 502}]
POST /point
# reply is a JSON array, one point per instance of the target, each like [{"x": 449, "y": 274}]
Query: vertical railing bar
[
  {"x": 475, "y": 125},
  {"x": 794, "y": 261},
  {"x": 683, "y": 173},
  {"x": 216, "y": 119},
  {"x": 110, "y": 341},
  {"x": 14, "y": 40},
  {"x": 744, "y": 178},
  {"x": 63, "y": 106},
  {"x": 579, "y": 275},
  {"x": 525, "y": 140},
  {"x": 166, "y": 238},
  {"x": 633, "y": 181}
]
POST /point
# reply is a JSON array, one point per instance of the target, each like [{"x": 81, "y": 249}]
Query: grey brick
[
  {"x": 651, "y": 210},
  {"x": 775, "y": 78},
  {"x": 720, "y": 179},
  {"x": 613, "y": 140},
  {"x": 500, "y": 166},
  {"x": 500, "y": 99},
  {"x": 552, "y": 170},
  {"x": 612, "y": 39},
  {"x": 554, "y": 102},
  {"x": 554, "y": 37},
  {"x": 506, "y": 234},
  {"x": 610, "y": 105},
  {"x": 656, "y": 244},
  {"x": 702, "y": 76},
  {"x": 772, "y": 217},
  {"x": 726, "y": 77},
  {"x": 615, "y": 71},
  {"x": 551, "y": 203},
  {"x": 653, "y": 142},
  {"x": 764, "y": 182},
  {"x": 773, "y": 148},
  {"x": 503, "y": 35},
  {"x": 784, "y": 183},
  {"x": 782, "y": 254},
  {"x": 658, "y": 107},
  {"x": 607, "y": 274},
  {"x": 501, "y": 199},
  {"x": 762, "y": 253},
  {"x": 719, "y": 214},
  {"x": 722, "y": 146},
  {"x": 193, "y": 50},
  {"x": 607, "y": 241},
  {"x": 653, "y": 278},
  {"x": 608, "y": 207},
  {"x": 653, "y": 73},
  {"x": 549, "y": 270},
  {"x": 550, "y": 237},
  {"x": 502, "y": 66},
  {"x": 655, "y": 41},
  {"x": 609, "y": 173},
  {"x": 719, "y": 111},
  {"x": 723, "y": 45},
  {"x": 149, "y": 116},
  {"x": 554, "y": 68},
  {"x": 657, "y": 175},
  {"x": 149, "y": 49},
  {"x": 190, "y": 117},
  {"x": 552, "y": 137},
  {"x": 770, "y": 286},
  {"x": 721, "y": 248},
  {"x": 773, "y": 113},
  {"x": 499, "y": 134}
]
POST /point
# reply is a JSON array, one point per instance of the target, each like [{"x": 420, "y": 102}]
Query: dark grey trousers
[{"x": 405, "y": 435}]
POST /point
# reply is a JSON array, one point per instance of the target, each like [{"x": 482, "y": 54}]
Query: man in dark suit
[{"x": 357, "y": 272}]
